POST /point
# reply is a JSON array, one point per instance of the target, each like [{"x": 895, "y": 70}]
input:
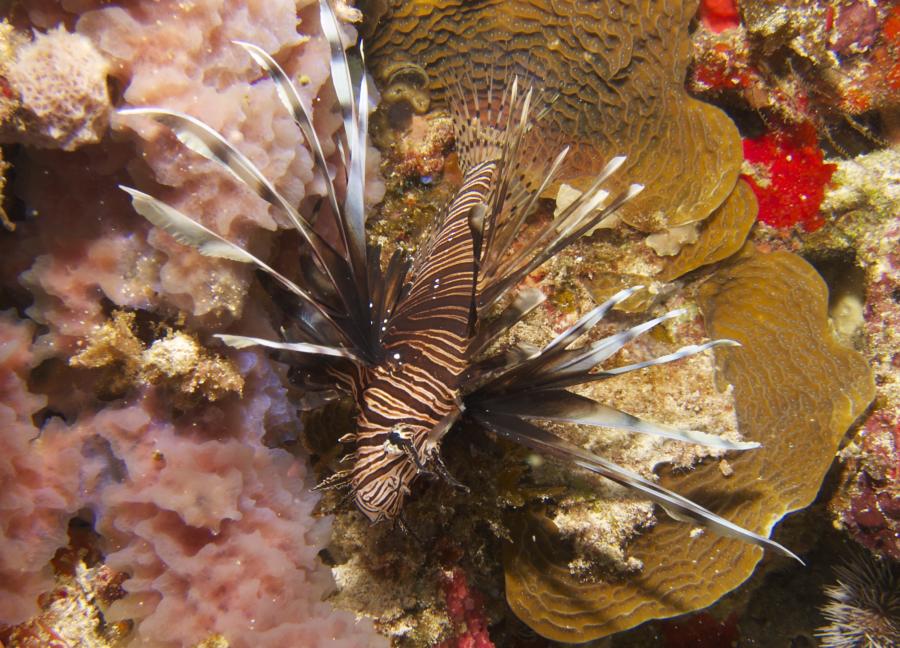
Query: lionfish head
[{"x": 384, "y": 471}]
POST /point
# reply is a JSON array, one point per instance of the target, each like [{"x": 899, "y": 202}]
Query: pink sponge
[
  {"x": 38, "y": 481},
  {"x": 214, "y": 528},
  {"x": 58, "y": 84}
]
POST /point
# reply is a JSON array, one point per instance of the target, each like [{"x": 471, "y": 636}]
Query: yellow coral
[
  {"x": 796, "y": 391},
  {"x": 177, "y": 361}
]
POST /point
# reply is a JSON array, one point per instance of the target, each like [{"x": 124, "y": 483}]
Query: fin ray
[{"x": 678, "y": 507}]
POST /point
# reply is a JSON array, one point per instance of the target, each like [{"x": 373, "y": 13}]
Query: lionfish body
[
  {"x": 408, "y": 340},
  {"x": 416, "y": 386}
]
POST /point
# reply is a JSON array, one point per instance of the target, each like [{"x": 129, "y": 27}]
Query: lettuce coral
[
  {"x": 797, "y": 390},
  {"x": 615, "y": 72}
]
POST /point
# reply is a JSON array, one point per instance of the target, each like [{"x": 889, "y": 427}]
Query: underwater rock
[
  {"x": 830, "y": 66},
  {"x": 618, "y": 70},
  {"x": 796, "y": 390},
  {"x": 864, "y": 207},
  {"x": 52, "y": 90}
]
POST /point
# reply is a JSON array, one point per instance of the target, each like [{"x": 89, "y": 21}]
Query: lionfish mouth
[{"x": 407, "y": 341}]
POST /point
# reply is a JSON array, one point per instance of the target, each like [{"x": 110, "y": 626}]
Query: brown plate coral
[
  {"x": 615, "y": 74},
  {"x": 797, "y": 391},
  {"x": 721, "y": 235}
]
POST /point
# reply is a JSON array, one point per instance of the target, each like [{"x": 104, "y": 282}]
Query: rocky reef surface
[{"x": 155, "y": 486}]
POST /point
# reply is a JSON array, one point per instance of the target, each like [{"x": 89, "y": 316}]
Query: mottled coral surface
[
  {"x": 54, "y": 92},
  {"x": 466, "y": 610},
  {"x": 814, "y": 62}
]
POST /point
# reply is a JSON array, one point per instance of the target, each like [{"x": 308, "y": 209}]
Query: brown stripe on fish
[{"x": 426, "y": 340}]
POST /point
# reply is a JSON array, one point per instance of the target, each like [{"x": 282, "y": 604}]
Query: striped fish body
[
  {"x": 407, "y": 395},
  {"x": 406, "y": 378}
]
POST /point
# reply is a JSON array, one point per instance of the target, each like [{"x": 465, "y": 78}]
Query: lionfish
[{"x": 408, "y": 341}]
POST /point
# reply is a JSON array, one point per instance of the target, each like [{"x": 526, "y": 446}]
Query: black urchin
[{"x": 864, "y": 611}]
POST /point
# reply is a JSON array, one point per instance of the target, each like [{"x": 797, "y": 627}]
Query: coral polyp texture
[
  {"x": 465, "y": 608},
  {"x": 789, "y": 176}
]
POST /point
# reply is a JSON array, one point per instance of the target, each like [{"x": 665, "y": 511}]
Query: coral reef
[
  {"x": 864, "y": 216},
  {"x": 547, "y": 568},
  {"x": 52, "y": 89},
  {"x": 827, "y": 65},
  {"x": 869, "y": 508},
  {"x": 721, "y": 236},
  {"x": 421, "y": 153},
  {"x": 215, "y": 530},
  {"x": 117, "y": 412}
]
